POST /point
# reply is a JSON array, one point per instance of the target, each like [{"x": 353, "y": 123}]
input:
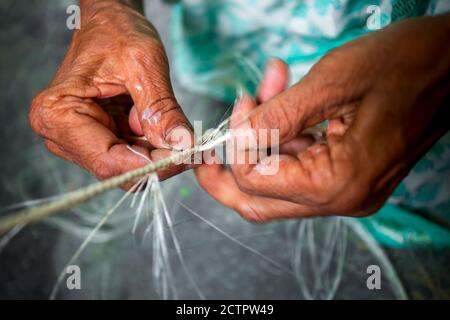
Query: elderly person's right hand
[
  {"x": 386, "y": 99},
  {"x": 116, "y": 58}
]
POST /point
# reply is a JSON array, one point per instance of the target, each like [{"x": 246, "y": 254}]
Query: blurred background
[{"x": 325, "y": 258}]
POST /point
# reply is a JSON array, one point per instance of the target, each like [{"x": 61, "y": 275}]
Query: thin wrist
[
  {"x": 100, "y": 13},
  {"x": 137, "y": 5},
  {"x": 93, "y": 8}
]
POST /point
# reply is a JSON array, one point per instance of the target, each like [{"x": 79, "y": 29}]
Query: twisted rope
[{"x": 71, "y": 199}]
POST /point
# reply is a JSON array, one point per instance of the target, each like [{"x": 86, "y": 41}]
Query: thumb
[{"x": 156, "y": 113}]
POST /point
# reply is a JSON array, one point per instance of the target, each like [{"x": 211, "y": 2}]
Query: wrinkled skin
[
  {"x": 114, "y": 61},
  {"x": 386, "y": 97}
]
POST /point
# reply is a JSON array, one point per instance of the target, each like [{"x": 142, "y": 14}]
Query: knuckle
[
  {"x": 46, "y": 112},
  {"x": 249, "y": 213},
  {"x": 102, "y": 170},
  {"x": 245, "y": 184},
  {"x": 280, "y": 116},
  {"x": 35, "y": 114},
  {"x": 166, "y": 105},
  {"x": 50, "y": 119},
  {"x": 49, "y": 116}
]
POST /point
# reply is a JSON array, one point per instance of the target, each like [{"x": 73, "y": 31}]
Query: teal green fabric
[
  {"x": 400, "y": 228},
  {"x": 418, "y": 212},
  {"x": 219, "y": 46},
  {"x": 211, "y": 37}
]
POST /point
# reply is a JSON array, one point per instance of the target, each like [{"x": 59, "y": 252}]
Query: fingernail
[
  {"x": 239, "y": 94},
  {"x": 267, "y": 166},
  {"x": 317, "y": 148},
  {"x": 271, "y": 70},
  {"x": 152, "y": 118},
  {"x": 179, "y": 138},
  {"x": 239, "y": 102},
  {"x": 240, "y": 116},
  {"x": 157, "y": 140}
]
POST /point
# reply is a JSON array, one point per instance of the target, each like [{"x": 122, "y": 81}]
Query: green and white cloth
[
  {"x": 210, "y": 37},
  {"x": 219, "y": 44}
]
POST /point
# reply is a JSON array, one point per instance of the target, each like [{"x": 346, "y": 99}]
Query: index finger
[{"x": 156, "y": 109}]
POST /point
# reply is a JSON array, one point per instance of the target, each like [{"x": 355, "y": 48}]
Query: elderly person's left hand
[{"x": 115, "y": 60}]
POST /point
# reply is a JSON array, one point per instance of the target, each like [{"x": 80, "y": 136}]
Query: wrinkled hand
[
  {"x": 385, "y": 96},
  {"x": 114, "y": 61}
]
